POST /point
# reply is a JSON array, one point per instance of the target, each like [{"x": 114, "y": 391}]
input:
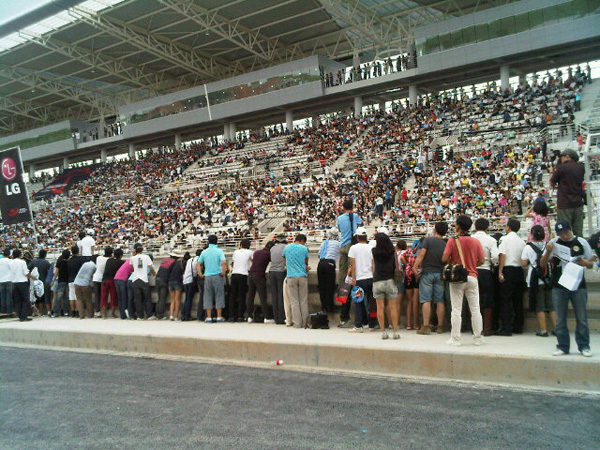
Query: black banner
[
  {"x": 64, "y": 182},
  {"x": 13, "y": 196}
]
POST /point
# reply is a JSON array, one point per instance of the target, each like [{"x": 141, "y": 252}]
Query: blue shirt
[
  {"x": 211, "y": 260},
  {"x": 330, "y": 249},
  {"x": 343, "y": 224},
  {"x": 295, "y": 260}
]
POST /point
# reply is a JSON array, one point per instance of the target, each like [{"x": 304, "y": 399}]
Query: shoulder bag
[{"x": 456, "y": 273}]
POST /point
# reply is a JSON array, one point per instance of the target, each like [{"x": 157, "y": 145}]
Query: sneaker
[
  {"x": 67, "y": 314},
  {"x": 356, "y": 330},
  {"x": 424, "y": 330},
  {"x": 384, "y": 335},
  {"x": 542, "y": 333},
  {"x": 587, "y": 352},
  {"x": 289, "y": 324},
  {"x": 220, "y": 320},
  {"x": 454, "y": 342},
  {"x": 250, "y": 320},
  {"x": 345, "y": 324},
  {"x": 395, "y": 336},
  {"x": 439, "y": 330},
  {"x": 269, "y": 321},
  {"x": 478, "y": 341},
  {"x": 208, "y": 320},
  {"x": 152, "y": 318},
  {"x": 171, "y": 318},
  {"x": 559, "y": 352}
]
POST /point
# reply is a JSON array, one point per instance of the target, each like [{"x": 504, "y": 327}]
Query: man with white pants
[{"x": 466, "y": 250}]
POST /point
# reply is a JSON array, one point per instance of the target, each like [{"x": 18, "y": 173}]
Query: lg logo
[{"x": 9, "y": 173}]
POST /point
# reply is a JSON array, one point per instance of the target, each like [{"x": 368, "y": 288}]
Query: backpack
[{"x": 539, "y": 273}]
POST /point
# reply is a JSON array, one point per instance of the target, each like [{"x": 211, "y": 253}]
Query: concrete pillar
[
  {"x": 504, "y": 78},
  {"x": 177, "y": 141},
  {"x": 131, "y": 151},
  {"x": 66, "y": 162},
  {"x": 103, "y": 155},
  {"x": 31, "y": 171},
  {"x": 289, "y": 120},
  {"x": 355, "y": 59},
  {"x": 522, "y": 79},
  {"x": 101, "y": 128},
  {"x": 232, "y": 131},
  {"x": 412, "y": 94},
  {"x": 382, "y": 106},
  {"x": 226, "y": 132},
  {"x": 316, "y": 121},
  {"x": 358, "y": 104}
]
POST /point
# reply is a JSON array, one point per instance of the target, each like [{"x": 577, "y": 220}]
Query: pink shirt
[
  {"x": 543, "y": 221},
  {"x": 124, "y": 271}
]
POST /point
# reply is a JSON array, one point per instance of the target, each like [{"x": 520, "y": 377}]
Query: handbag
[{"x": 456, "y": 273}]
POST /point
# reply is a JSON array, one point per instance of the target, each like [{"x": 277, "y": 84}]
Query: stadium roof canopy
[{"x": 80, "y": 59}]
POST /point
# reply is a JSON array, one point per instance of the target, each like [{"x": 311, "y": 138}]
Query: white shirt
[
  {"x": 363, "y": 260},
  {"x": 140, "y": 264},
  {"x": 188, "y": 272},
  {"x": 490, "y": 249},
  {"x": 530, "y": 255},
  {"x": 85, "y": 246},
  {"x": 242, "y": 260},
  {"x": 512, "y": 246},
  {"x": 5, "y": 270},
  {"x": 19, "y": 271},
  {"x": 100, "y": 266}
]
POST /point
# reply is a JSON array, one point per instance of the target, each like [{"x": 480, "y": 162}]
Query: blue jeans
[
  {"x": 560, "y": 298},
  {"x": 190, "y": 291},
  {"x": 62, "y": 295},
  {"x": 6, "y": 303},
  {"x": 121, "y": 287},
  {"x": 431, "y": 288}
]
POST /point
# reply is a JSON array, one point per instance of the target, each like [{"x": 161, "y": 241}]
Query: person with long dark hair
[{"x": 384, "y": 288}]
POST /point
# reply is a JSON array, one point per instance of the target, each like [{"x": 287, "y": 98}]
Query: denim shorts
[
  {"x": 385, "y": 290},
  {"x": 175, "y": 286},
  {"x": 431, "y": 288}
]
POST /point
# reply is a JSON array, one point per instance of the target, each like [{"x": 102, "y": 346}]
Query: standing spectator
[
  {"x": 190, "y": 287},
  {"x": 328, "y": 256},
  {"x": 485, "y": 276},
  {"x": 6, "y": 305},
  {"x": 61, "y": 277},
  {"x": 99, "y": 275},
  {"x": 43, "y": 266},
  {"x": 399, "y": 275},
  {"x": 175, "y": 283},
  {"x": 162, "y": 285},
  {"x": 142, "y": 265},
  {"x": 83, "y": 289},
  {"x": 361, "y": 270},
  {"x": 384, "y": 287},
  {"x": 74, "y": 264},
  {"x": 539, "y": 213},
  {"x": 510, "y": 275},
  {"x": 295, "y": 259},
  {"x": 560, "y": 251},
  {"x": 465, "y": 250},
  {"x": 86, "y": 243},
  {"x": 568, "y": 175},
  {"x": 538, "y": 283},
  {"x": 122, "y": 270},
  {"x": 411, "y": 286},
  {"x": 241, "y": 262},
  {"x": 257, "y": 281},
  {"x": 431, "y": 285},
  {"x": 212, "y": 267},
  {"x": 107, "y": 285},
  {"x": 20, "y": 281},
  {"x": 347, "y": 223},
  {"x": 276, "y": 277}
]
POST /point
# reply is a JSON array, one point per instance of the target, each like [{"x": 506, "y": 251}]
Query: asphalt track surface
[{"x": 52, "y": 399}]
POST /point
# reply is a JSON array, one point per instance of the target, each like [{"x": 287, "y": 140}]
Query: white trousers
[{"x": 470, "y": 289}]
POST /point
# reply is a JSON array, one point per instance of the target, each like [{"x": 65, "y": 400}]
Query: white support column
[
  {"x": 504, "y": 78},
  {"x": 232, "y": 131},
  {"x": 522, "y": 80},
  {"x": 66, "y": 162},
  {"x": 316, "y": 121},
  {"x": 101, "y": 128},
  {"x": 177, "y": 142},
  {"x": 358, "y": 104},
  {"x": 289, "y": 120},
  {"x": 412, "y": 94},
  {"x": 103, "y": 155},
  {"x": 131, "y": 151},
  {"x": 31, "y": 171},
  {"x": 355, "y": 59},
  {"x": 226, "y": 132},
  {"x": 382, "y": 106}
]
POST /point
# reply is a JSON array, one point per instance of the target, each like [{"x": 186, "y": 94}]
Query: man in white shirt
[
  {"x": 484, "y": 273},
  {"x": 512, "y": 280},
  {"x": 142, "y": 265},
  {"x": 6, "y": 306},
  {"x": 360, "y": 258},
  {"x": 86, "y": 243},
  {"x": 241, "y": 262},
  {"x": 20, "y": 279}
]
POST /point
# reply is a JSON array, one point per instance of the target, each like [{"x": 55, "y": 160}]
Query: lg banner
[{"x": 13, "y": 196}]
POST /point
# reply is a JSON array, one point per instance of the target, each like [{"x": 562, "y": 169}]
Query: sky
[{"x": 9, "y": 9}]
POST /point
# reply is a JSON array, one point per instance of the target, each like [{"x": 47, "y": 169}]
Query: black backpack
[{"x": 539, "y": 273}]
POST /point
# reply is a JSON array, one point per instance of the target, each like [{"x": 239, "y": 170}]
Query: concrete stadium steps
[{"x": 519, "y": 360}]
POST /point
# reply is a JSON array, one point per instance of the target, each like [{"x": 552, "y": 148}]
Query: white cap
[
  {"x": 360, "y": 231},
  {"x": 382, "y": 230},
  {"x": 90, "y": 231}
]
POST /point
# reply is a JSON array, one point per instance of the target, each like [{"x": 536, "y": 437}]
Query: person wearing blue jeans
[
  {"x": 431, "y": 286},
  {"x": 564, "y": 249}
]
